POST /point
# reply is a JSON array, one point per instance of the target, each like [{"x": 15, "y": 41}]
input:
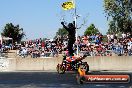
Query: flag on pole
[{"x": 68, "y": 5}]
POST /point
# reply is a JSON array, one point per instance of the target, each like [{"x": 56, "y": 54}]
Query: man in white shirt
[{"x": 123, "y": 35}]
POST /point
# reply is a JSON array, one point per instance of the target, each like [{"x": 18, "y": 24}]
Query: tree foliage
[
  {"x": 91, "y": 30},
  {"x": 61, "y": 32},
  {"x": 14, "y": 32},
  {"x": 120, "y": 14},
  {"x": 112, "y": 27}
]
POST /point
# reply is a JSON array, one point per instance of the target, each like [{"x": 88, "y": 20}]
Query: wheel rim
[{"x": 61, "y": 69}]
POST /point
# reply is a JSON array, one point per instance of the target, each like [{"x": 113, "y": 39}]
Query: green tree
[
  {"x": 13, "y": 32},
  {"x": 91, "y": 30},
  {"x": 112, "y": 27},
  {"x": 120, "y": 14},
  {"x": 61, "y": 32}
]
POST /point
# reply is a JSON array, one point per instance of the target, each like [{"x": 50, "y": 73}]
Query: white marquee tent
[{"x": 4, "y": 39}]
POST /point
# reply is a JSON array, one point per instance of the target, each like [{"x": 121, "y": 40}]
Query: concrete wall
[
  {"x": 4, "y": 64},
  {"x": 95, "y": 63},
  {"x": 110, "y": 63},
  {"x": 39, "y": 64}
]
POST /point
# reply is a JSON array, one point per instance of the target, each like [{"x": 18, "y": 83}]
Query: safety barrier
[{"x": 41, "y": 64}]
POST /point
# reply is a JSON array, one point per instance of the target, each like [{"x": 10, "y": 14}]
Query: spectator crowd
[{"x": 92, "y": 45}]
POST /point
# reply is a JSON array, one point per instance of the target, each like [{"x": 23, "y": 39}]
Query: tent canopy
[{"x": 6, "y": 38}]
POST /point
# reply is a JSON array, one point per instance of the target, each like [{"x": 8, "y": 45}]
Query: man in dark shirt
[{"x": 71, "y": 36}]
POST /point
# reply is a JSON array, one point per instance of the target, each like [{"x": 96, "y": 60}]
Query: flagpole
[{"x": 75, "y": 19}]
